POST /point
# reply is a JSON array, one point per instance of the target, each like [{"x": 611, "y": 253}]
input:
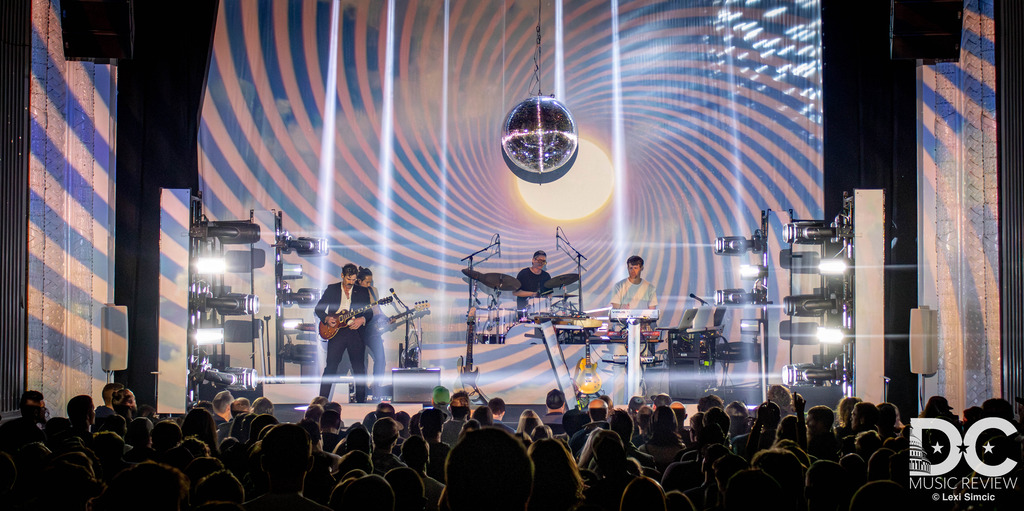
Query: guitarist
[
  {"x": 372, "y": 336},
  {"x": 339, "y": 297}
]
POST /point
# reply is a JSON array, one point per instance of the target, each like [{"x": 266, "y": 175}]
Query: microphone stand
[
  {"x": 579, "y": 262},
  {"x": 472, "y": 281}
]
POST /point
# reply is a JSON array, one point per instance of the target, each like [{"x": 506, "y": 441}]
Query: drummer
[{"x": 531, "y": 280}]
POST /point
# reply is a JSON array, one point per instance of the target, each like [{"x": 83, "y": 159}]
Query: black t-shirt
[{"x": 529, "y": 282}]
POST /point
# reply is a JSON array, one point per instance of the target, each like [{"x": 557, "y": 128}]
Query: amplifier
[{"x": 415, "y": 385}]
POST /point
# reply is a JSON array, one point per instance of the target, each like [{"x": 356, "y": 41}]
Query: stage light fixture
[
  {"x": 753, "y": 271},
  {"x": 811, "y": 374},
  {"x": 736, "y": 245},
  {"x": 740, "y": 296},
  {"x": 304, "y": 246},
  {"x": 233, "y": 378},
  {"x": 808, "y": 305},
  {"x": 807, "y": 232},
  {"x": 304, "y": 297},
  {"x": 291, "y": 324},
  {"x": 833, "y": 267},
  {"x": 209, "y": 336},
  {"x": 238, "y": 232},
  {"x": 291, "y": 271},
  {"x": 830, "y": 335},
  {"x": 233, "y": 304}
]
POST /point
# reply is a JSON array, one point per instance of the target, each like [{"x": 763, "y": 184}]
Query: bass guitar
[
  {"x": 467, "y": 374},
  {"x": 587, "y": 380},
  {"x": 418, "y": 310},
  {"x": 327, "y": 332}
]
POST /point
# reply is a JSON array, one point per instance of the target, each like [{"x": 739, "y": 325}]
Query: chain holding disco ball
[
  {"x": 539, "y": 140},
  {"x": 539, "y": 137}
]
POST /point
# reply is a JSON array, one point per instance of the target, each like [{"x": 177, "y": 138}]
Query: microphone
[
  {"x": 497, "y": 241},
  {"x": 695, "y": 297},
  {"x": 397, "y": 299},
  {"x": 557, "y": 237}
]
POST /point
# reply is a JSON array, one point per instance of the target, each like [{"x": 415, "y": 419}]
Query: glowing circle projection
[{"x": 539, "y": 139}]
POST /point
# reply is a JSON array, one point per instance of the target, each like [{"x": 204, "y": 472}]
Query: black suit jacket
[{"x": 330, "y": 302}]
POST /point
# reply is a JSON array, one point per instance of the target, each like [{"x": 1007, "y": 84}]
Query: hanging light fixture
[{"x": 539, "y": 139}]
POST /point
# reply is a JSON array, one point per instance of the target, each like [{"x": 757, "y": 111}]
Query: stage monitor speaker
[
  {"x": 114, "y": 337},
  {"x": 415, "y": 385},
  {"x": 929, "y": 30},
  {"x": 97, "y": 30},
  {"x": 685, "y": 382},
  {"x": 924, "y": 340}
]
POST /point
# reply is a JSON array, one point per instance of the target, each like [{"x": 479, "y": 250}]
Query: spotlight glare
[
  {"x": 290, "y": 324},
  {"x": 828, "y": 335},
  {"x": 752, "y": 271},
  {"x": 750, "y": 326},
  {"x": 209, "y": 336},
  {"x": 832, "y": 267},
  {"x": 291, "y": 271},
  {"x": 211, "y": 265}
]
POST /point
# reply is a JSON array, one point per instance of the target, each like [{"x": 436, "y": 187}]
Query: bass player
[{"x": 338, "y": 298}]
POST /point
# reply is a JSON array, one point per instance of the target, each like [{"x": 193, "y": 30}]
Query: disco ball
[{"x": 539, "y": 138}]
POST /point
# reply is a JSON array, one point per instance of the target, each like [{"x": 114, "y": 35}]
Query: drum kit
[{"x": 495, "y": 323}]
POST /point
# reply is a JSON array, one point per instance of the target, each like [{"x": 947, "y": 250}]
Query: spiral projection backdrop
[{"x": 694, "y": 116}]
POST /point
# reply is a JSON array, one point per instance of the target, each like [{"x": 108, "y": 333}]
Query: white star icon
[
  {"x": 988, "y": 448},
  {"x": 937, "y": 448}
]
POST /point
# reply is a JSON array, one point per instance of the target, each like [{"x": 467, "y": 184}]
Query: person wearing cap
[
  {"x": 555, "y": 402},
  {"x": 662, "y": 399},
  {"x": 385, "y": 436}
]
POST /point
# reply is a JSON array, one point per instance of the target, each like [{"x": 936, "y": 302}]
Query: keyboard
[{"x": 641, "y": 314}]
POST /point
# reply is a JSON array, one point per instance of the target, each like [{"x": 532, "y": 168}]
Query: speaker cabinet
[
  {"x": 415, "y": 385},
  {"x": 929, "y": 30},
  {"x": 114, "y": 337},
  {"x": 97, "y": 30},
  {"x": 686, "y": 382}
]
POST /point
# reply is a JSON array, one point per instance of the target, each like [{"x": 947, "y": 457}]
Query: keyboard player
[{"x": 634, "y": 292}]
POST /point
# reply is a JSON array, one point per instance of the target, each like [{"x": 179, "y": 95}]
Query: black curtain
[
  {"x": 160, "y": 94},
  {"x": 1009, "y": 17},
  {"x": 15, "y": 67},
  {"x": 871, "y": 143}
]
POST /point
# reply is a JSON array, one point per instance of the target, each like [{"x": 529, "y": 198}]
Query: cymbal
[
  {"x": 562, "y": 280},
  {"x": 500, "y": 282},
  {"x": 473, "y": 274}
]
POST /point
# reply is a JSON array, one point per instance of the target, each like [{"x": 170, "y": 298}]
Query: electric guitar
[
  {"x": 586, "y": 378},
  {"x": 345, "y": 318},
  {"x": 468, "y": 375},
  {"x": 418, "y": 310}
]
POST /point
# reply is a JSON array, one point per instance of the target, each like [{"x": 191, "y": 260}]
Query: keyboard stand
[{"x": 633, "y": 368}]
